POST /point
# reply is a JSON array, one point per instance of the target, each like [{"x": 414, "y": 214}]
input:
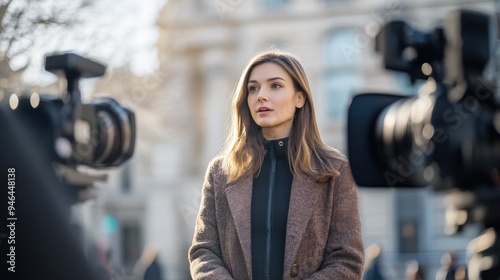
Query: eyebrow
[{"x": 268, "y": 80}]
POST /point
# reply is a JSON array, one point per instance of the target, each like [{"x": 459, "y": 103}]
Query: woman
[{"x": 277, "y": 203}]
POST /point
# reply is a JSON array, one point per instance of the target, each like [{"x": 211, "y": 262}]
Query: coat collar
[{"x": 305, "y": 192}]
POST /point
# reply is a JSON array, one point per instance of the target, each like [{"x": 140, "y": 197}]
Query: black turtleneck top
[{"x": 269, "y": 213}]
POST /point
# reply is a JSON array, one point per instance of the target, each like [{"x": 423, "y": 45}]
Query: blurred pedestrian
[
  {"x": 414, "y": 271},
  {"x": 148, "y": 266},
  {"x": 372, "y": 268},
  {"x": 277, "y": 181},
  {"x": 448, "y": 267},
  {"x": 153, "y": 271},
  {"x": 461, "y": 273}
]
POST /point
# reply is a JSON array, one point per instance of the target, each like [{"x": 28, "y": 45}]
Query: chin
[{"x": 264, "y": 124}]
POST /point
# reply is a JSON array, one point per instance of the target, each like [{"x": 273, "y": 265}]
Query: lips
[{"x": 263, "y": 109}]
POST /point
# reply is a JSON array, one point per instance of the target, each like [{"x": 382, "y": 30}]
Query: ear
[{"x": 301, "y": 100}]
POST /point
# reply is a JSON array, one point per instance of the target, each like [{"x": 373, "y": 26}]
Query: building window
[
  {"x": 130, "y": 244},
  {"x": 343, "y": 71},
  {"x": 408, "y": 236},
  {"x": 126, "y": 177},
  {"x": 335, "y": 1},
  {"x": 277, "y": 45},
  {"x": 410, "y": 219},
  {"x": 340, "y": 87},
  {"x": 275, "y": 3}
]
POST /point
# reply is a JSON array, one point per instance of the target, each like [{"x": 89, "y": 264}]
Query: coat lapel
[
  {"x": 239, "y": 198},
  {"x": 305, "y": 193}
]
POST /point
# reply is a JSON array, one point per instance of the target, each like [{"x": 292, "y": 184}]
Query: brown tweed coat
[{"x": 323, "y": 232}]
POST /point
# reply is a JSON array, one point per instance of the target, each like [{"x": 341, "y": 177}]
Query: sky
[
  {"x": 117, "y": 34},
  {"x": 138, "y": 22}
]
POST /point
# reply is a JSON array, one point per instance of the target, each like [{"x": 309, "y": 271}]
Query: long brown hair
[{"x": 244, "y": 152}]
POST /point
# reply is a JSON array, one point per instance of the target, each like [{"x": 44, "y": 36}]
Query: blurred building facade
[{"x": 203, "y": 47}]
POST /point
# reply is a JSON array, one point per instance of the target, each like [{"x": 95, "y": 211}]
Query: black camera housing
[
  {"x": 448, "y": 136},
  {"x": 101, "y": 133}
]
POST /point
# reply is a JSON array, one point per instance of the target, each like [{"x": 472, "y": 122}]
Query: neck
[{"x": 270, "y": 135}]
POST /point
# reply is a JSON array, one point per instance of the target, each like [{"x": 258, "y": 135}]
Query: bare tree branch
[
  {"x": 3, "y": 11},
  {"x": 24, "y": 21}
]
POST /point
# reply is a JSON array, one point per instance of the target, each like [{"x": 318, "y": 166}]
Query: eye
[
  {"x": 276, "y": 86},
  {"x": 252, "y": 88}
]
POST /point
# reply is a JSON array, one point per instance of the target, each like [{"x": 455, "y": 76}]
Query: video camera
[
  {"x": 98, "y": 134},
  {"x": 447, "y": 136},
  {"x": 101, "y": 133},
  {"x": 47, "y": 148}
]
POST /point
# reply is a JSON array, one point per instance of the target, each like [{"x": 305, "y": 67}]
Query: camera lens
[
  {"x": 399, "y": 137},
  {"x": 116, "y": 133}
]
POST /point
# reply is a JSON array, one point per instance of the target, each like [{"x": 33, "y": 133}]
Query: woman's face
[{"x": 273, "y": 99}]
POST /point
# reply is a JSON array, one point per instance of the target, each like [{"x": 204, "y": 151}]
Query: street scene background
[{"x": 175, "y": 63}]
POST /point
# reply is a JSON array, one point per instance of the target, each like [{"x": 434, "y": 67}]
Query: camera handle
[{"x": 73, "y": 67}]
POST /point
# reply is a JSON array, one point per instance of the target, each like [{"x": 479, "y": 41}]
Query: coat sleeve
[
  {"x": 204, "y": 255},
  {"x": 344, "y": 253}
]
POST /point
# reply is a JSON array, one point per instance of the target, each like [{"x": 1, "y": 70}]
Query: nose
[{"x": 262, "y": 96}]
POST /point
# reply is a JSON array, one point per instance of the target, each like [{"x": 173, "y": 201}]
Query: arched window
[
  {"x": 343, "y": 60},
  {"x": 274, "y": 3},
  {"x": 335, "y": 1}
]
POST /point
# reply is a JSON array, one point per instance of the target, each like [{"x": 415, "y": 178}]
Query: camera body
[
  {"x": 100, "y": 133},
  {"x": 69, "y": 133}
]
